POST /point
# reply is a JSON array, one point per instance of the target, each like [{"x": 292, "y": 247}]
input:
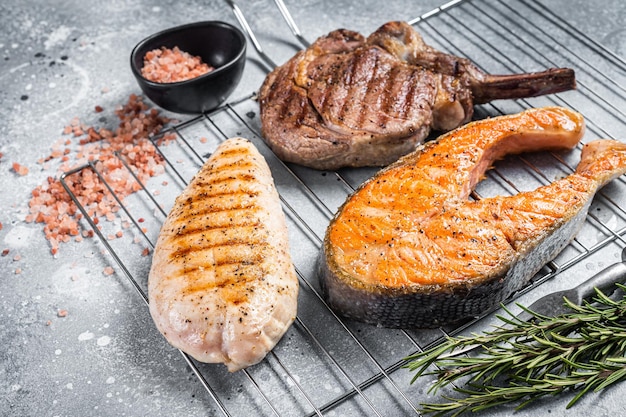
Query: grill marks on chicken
[
  {"x": 222, "y": 287},
  {"x": 348, "y": 100},
  {"x": 232, "y": 195}
]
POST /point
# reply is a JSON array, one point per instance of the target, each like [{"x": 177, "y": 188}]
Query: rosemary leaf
[{"x": 519, "y": 362}]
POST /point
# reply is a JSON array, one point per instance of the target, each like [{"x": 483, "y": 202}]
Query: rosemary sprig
[{"x": 520, "y": 362}]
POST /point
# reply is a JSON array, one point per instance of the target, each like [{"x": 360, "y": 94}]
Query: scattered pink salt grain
[
  {"x": 62, "y": 313},
  {"x": 108, "y": 271},
  {"x": 52, "y": 206},
  {"x": 19, "y": 169}
]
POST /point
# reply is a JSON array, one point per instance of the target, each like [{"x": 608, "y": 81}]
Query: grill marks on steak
[
  {"x": 348, "y": 100},
  {"x": 373, "y": 94}
]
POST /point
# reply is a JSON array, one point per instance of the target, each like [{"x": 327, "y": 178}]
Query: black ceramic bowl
[{"x": 219, "y": 44}]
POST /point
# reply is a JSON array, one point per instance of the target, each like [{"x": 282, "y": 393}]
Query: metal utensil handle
[{"x": 604, "y": 280}]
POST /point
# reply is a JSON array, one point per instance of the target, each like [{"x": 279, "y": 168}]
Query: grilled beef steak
[{"x": 348, "y": 100}]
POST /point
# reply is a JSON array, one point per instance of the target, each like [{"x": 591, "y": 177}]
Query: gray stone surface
[{"x": 58, "y": 60}]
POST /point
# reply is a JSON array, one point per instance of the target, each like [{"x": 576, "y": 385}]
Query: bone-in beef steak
[{"x": 348, "y": 100}]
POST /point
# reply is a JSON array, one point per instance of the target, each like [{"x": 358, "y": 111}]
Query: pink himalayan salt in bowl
[{"x": 218, "y": 44}]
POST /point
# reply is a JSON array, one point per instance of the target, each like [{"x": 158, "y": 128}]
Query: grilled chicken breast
[
  {"x": 410, "y": 249},
  {"x": 348, "y": 100},
  {"x": 222, "y": 286}
]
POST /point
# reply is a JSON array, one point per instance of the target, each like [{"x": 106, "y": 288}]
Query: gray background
[{"x": 58, "y": 60}]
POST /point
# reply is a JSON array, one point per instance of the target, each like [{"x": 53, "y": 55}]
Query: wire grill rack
[{"x": 326, "y": 365}]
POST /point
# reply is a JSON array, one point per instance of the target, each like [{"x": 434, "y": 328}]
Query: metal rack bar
[
  {"x": 291, "y": 23},
  {"x": 127, "y": 274},
  {"x": 541, "y": 10},
  {"x": 244, "y": 23},
  {"x": 299, "y": 321},
  {"x": 303, "y": 224},
  {"x": 540, "y": 35}
]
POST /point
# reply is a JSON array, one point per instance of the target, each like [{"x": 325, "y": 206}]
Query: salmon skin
[
  {"x": 409, "y": 248},
  {"x": 222, "y": 286}
]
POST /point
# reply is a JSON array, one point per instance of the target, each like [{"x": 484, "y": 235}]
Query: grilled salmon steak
[
  {"x": 409, "y": 248},
  {"x": 222, "y": 287},
  {"x": 348, "y": 100}
]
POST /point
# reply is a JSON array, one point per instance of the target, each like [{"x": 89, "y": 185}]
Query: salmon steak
[
  {"x": 222, "y": 287},
  {"x": 410, "y": 249},
  {"x": 352, "y": 101}
]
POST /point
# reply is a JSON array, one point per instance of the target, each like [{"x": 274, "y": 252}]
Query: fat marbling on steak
[{"x": 353, "y": 101}]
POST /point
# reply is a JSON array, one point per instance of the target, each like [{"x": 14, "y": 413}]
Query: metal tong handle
[
  {"x": 604, "y": 280},
  {"x": 552, "y": 304},
  {"x": 246, "y": 27}
]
